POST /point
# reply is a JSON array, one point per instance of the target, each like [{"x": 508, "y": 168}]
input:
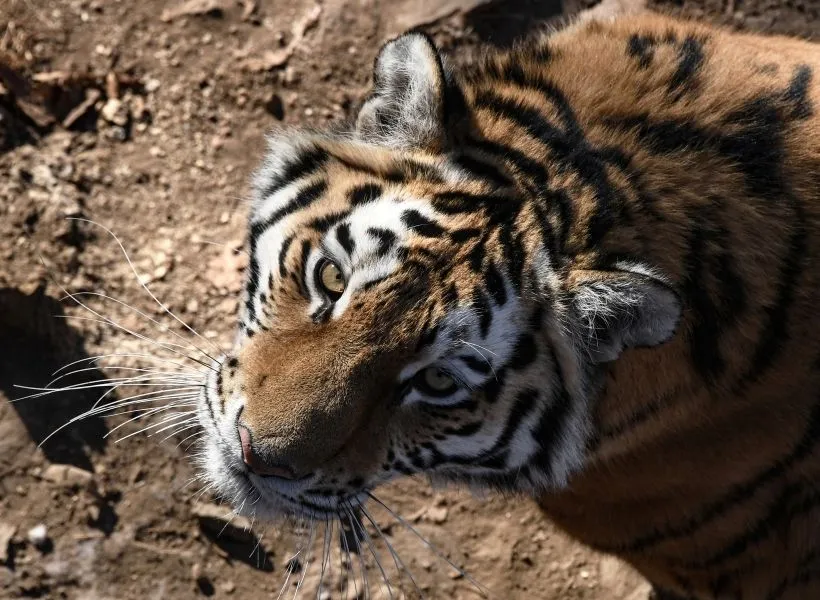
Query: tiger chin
[{"x": 584, "y": 270}]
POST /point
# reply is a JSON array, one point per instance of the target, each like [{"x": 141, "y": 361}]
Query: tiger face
[{"x": 405, "y": 313}]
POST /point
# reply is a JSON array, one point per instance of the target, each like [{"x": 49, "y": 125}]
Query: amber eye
[
  {"x": 436, "y": 382},
  {"x": 331, "y": 279}
]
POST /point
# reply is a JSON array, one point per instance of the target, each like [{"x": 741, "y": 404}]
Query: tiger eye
[
  {"x": 438, "y": 380},
  {"x": 332, "y": 279}
]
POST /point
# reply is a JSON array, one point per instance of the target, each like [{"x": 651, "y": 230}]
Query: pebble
[
  {"x": 437, "y": 514},
  {"x": 38, "y": 535},
  {"x": 152, "y": 85},
  {"x": 68, "y": 476}
]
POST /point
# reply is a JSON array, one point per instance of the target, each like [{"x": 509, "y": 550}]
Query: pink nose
[{"x": 257, "y": 465}]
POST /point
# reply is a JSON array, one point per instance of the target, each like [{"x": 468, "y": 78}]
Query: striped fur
[{"x": 608, "y": 239}]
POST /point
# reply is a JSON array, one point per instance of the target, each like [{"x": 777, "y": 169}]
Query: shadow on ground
[{"x": 35, "y": 341}]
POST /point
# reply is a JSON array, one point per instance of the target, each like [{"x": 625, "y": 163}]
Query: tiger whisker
[
  {"x": 144, "y": 410},
  {"x": 400, "y": 566},
  {"x": 289, "y": 572},
  {"x": 162, "y": 395},
  {"x": 430, "y": 545},
  {"x": 165, "y": 345},
  {"x": 99, "y": 357},
  {"x": 325, "y": 552},
  {"x": 193, "y": 435},
  {"x": 307, "y": 559},
  {"x": 80, "y": 417},
  {"x": 352, "y": 519},
  {"x": 164, "y": 421},
  {"x": 139, "y": 381},
  {"x": 178, "y": 427},
  {"x": 115, "y": 368},
  {"x": 145, "y": 286},
  {"x": 350, "y": 570},
  {"x": 375, "y": 555},
  {"x": 162, "y": 328}
]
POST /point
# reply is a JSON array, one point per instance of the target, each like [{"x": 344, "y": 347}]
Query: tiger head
[{"x": 408, "y": 309}]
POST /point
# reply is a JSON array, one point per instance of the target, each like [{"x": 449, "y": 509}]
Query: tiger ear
[
  {"x": 406, "y": 106},
  {"x": 624, "y": 308}
]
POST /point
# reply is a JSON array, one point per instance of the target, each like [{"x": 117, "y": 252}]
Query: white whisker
[
  {"x": 145, "y": 286},
  {"x": 430, "y": 545}
]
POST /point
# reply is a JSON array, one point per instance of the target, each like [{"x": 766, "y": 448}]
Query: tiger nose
[{"x": 258, "y": 465}]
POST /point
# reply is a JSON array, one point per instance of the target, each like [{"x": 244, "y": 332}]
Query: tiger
[{"x": 583, "y": 271}]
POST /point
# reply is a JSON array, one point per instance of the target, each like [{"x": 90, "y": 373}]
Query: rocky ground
[{"x": 147, "y": 117}]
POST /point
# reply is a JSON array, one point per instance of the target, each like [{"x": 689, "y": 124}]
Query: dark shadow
[
  {"x": 503, "y": 22},
  {"x": 35, "y": 342},
  {"x": 243, "y": 546}
]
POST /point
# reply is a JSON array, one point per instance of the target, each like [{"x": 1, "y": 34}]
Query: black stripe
[
  {"x": 642, "y": 48},
  {"x": 283, "y": 255},
  {"x": 362, "y": 194},
  {"x": 304, "y": 198},
  {"x": 550, "y": 428},
  {"x": 690, "y": 61},
  {"x": 775, "y": 332},
  {"x": 303, "y": 166},
  {"x": 459, "y": 236},
  {"x": 570, "y": 150},
  {"x": 345, "y": 241},
  {"x": 794, "y": 501},
  {"x": 421, "y": 225},
  {"x": 483, "y": 170},
  {"x": 495, "y": 284},
  {"x": 481, "y": 365},
  {"x": 736, "y": 495},
  {"x": 485, "y": 313},
  {"x": 385, "y": 238},
  {"x": 524, "y": 353},
  {"x": 643, "y": 414},
  {"x": 323, "y": 223},
  {"x": 302, "y": 277},
  {"x": 797, "y": 94}
]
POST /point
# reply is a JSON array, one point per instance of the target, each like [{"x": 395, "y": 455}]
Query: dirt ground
[{"x": 147, "y": 117}]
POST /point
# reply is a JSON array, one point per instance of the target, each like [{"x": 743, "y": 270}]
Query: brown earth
[{"x": 148, "y": 120}]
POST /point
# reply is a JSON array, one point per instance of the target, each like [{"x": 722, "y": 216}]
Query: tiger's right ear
[{"x": 407, "y": 106}]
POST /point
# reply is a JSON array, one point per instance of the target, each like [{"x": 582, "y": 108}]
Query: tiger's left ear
[
  {"x": 406, "y": 108},
  {"x": 629, "y": 307}
]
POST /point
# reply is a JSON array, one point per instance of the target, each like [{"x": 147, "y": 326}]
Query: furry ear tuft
[
  {"x": 407, "y": 105},
  {"x": 626, "y": 308}
]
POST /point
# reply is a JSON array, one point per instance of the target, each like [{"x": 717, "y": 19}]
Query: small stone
[
  {"x": 228, "y": 587},
  {"x": 68, "y": 476},
  {"x": 115, "y": 112},
  {"x": 152, "y": 85},
  {"x": 192, "y": 306},
  {"x": 38, "y": 536},
  {"x": 437, "y": 514}
]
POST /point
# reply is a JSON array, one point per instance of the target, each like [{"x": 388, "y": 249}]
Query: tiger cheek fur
[{"x": 583, "y": 270}]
